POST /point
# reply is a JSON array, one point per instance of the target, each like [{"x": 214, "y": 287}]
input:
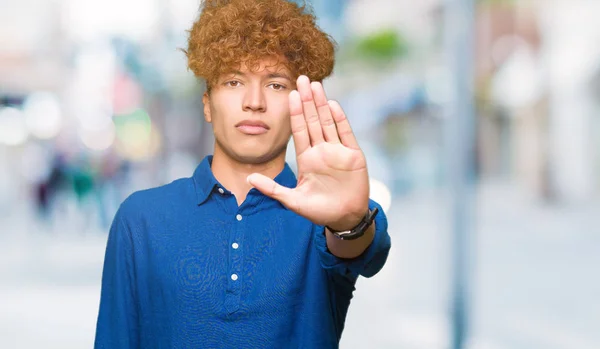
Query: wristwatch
[{"x": 359, "y": 230}]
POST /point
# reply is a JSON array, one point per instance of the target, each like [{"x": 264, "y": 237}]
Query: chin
[
  {"x": 252, "y": 154},
  {"x": 257, "y": 156},
  {"x": 254, "y": 158}
]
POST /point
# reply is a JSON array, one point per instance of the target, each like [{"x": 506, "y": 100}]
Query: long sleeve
[
  {"x": 117, "y": 325},
  {"x": 370, "y": 261},
  {"x": 343, "y": 273}
]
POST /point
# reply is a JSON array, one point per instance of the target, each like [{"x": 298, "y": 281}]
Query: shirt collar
[{"x": 205, "y": 181}]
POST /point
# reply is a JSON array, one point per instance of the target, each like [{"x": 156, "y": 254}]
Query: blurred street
[
  {"x": 534, "y": 279},
  {"x": 97, "y": 101}
]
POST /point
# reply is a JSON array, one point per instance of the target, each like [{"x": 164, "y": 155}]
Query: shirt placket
[{"x": 235, "y": 277}]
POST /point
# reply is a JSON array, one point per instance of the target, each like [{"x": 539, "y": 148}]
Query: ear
[{"x": 206, "y": 102}]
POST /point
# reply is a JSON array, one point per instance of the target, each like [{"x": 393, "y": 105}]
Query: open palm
[{"x": 333, "y": 183}]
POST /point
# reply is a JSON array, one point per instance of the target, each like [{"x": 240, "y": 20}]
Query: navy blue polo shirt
[{"x": 185, "y": 267}]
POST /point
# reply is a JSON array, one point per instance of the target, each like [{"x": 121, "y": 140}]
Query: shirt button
[
  {"x": 239, "y": 217},
  {"x": 234, "y": 277},
  {"x": 221, "y": 191},
  {"x": 235, "y": 245}
]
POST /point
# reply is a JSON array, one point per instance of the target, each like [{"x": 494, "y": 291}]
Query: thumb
[{"x": 273, "y": 190}]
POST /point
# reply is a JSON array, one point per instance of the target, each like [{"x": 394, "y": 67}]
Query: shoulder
[{"x": 147, "y": 202}]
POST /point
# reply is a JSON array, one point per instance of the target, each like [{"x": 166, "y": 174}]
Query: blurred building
[{"x": 538, "y": 110}]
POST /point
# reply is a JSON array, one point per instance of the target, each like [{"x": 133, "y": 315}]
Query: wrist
[
  {"x": 359, "y": 229},
  {"x": 349, "y": 222}
]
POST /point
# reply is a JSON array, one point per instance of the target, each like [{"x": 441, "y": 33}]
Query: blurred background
[{"x": 96, "y": 102}]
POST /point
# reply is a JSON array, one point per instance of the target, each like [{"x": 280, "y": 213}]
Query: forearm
[{"x": 349, "y": 248}]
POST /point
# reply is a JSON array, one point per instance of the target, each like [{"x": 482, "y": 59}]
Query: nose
[{"x": 254, "y": 99}]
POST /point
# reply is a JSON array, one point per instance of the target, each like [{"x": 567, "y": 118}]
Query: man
[{"x": 243, "y": 254}]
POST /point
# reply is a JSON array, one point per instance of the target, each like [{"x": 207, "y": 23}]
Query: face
[{"x": 249, "y": 112}]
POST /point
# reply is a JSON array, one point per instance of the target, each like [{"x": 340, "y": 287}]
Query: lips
[{"x": 252, "y": 127}]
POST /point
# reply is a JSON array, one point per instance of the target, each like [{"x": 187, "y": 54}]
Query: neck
[{"x": 232, "y": 174}]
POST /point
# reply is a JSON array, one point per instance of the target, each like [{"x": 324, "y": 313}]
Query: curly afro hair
[{"x": 231, "y": 32}]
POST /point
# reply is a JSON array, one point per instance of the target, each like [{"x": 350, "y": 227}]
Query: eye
[
  {"x": 232, "y": 83},
  {"x": 277, "y": 87}
]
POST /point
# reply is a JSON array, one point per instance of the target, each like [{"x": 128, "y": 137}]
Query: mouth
[{"x": 252, "y": 127}]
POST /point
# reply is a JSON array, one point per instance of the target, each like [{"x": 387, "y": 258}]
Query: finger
[
  {"x": 267, "y": 186},
  {"x": 311, "y": 115},
  {"x": 299, "y": 129},
  {"x": 343, "y": 126},
  {"x": 327, "y": 124}
]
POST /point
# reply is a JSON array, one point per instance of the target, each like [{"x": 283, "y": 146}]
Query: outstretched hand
[{"x": 333, "y": 183}]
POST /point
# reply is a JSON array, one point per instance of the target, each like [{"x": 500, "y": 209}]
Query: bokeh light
[
  {"x": 43, "y": 115},
  {"x": 137, "y": 139},
  {"x": 98, "y": 138},
  {"x": 380, "y": 193},
  {"x": 13, "y": 130}
]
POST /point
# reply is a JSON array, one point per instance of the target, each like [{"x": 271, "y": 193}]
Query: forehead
[{"x": 262, "y": 66}]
